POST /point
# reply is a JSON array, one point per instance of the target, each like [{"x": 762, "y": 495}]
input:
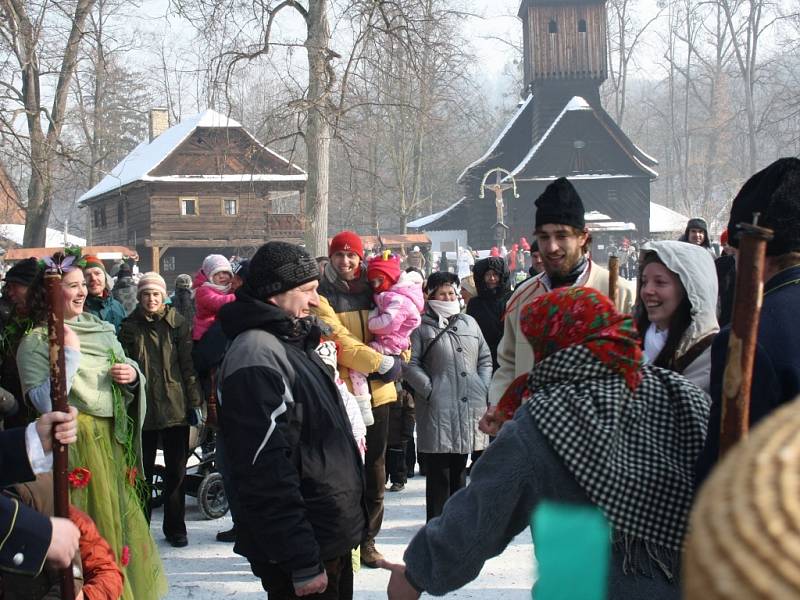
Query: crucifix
[{"x": 498, "y": 187}]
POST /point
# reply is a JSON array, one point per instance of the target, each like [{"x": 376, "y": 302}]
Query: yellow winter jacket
[{"x": 346, "y": 312}]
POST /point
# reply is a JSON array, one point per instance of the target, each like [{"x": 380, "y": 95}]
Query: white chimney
[{"x": 158, "y": 122}]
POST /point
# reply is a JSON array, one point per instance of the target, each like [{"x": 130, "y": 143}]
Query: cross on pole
[{"x": 498, "y": 187}]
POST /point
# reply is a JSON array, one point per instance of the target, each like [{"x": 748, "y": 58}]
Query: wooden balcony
[{"x": 285, "y": 226}]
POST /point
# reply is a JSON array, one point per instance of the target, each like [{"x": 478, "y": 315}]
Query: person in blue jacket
[
  {"x": 99, "y": 300},
  {"x": 29, "y": 538},
  {"x": 773, "y": 194}
]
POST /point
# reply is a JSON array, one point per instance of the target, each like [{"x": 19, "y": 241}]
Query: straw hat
[{"x": 744, "y": 540}]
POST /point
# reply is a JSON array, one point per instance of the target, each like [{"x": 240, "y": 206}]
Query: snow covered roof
[
  {"x": 523, "y": 105},
  {"x": 575, "y": 104},
  {"x": 54, "y": 238},
  {"x": 582, "y": 176},
  {"x": 423, "y": 221},
  {"x": 666, "y": 220},
  {"x": 148, "y": 155},
  {"x": 595, "y": 215}
]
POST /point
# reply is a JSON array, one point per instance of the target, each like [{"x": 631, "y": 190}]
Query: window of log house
[
  {"x": 552, "y": 26},
  {"x": 189, "y": 207},
  {"x": 582, "y": 26},
  {"x": 230, "y": 207}
]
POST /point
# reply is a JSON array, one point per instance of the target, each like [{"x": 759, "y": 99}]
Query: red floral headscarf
[{"x": 573, "y": 316}]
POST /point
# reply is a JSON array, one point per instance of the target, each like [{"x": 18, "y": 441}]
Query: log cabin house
[{"x": 203, "y": 186}]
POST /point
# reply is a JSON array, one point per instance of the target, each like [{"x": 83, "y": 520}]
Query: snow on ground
[{"x": 207, "y": 569}]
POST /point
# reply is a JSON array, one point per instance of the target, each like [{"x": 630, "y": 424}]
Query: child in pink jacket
[
  {"x": 212, "y": 286},
  {"x": 398, "y": 304}
]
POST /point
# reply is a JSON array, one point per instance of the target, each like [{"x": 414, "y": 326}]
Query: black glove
[{"x": 394, "y": 373}]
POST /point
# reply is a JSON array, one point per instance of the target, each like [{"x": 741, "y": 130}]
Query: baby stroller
[{"x": 202, "y": 479}]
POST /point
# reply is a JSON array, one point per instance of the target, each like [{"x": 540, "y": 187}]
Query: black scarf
[{"x": 570, "y": 278}]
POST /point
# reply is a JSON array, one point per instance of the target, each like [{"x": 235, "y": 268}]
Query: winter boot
[{"x": 370, "y": 555}]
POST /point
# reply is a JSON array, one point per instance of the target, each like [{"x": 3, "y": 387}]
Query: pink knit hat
[
  {"x": 216, "y": 263},
  {"x": 152, "y": 281}
]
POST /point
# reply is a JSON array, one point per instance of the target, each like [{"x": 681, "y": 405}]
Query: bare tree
[{"x": 29, "y": 33}]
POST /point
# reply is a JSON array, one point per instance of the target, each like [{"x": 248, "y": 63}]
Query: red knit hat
[
  {"x": 723, "y": 239},
  {"x": 387, "y": 265},
  {"x": 347, "y": 241}
]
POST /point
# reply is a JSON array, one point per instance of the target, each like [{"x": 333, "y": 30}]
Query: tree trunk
[
  {"x": 43, "y": 147},
  {"x": 318, "y": 131}
]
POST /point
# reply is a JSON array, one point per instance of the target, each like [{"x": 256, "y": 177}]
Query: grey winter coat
[
  {"x": 450, "y": 386},
  {"x": 517, "y": 472}
]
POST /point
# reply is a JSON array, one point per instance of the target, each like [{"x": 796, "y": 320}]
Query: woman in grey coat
[{"x": 450, "y": 369}]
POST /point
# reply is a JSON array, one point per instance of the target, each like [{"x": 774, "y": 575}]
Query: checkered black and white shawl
[{"x": 633, "y": 453}]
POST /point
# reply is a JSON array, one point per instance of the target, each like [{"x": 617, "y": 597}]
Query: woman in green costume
[{"x": 106, "y": 462}]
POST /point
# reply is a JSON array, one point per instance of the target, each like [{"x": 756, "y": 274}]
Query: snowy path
[{"x": 207, "y": 569}]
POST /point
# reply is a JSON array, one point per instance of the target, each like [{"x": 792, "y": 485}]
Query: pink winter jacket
[
  {"x": 397, "y": 314},
  {"x": 207, "y": 302}
]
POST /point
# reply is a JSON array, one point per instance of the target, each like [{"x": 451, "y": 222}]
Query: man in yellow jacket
[
  {"x": 564, "y": 244},
  {"x": 345, "y": 302}
]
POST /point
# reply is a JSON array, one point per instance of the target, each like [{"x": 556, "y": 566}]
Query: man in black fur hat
[
  {"x": 564, "y": 243},
  {"x": 774, "y": 193}
]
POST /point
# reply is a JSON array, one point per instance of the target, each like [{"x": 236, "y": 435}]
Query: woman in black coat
[{"x": 493, "y": 282}]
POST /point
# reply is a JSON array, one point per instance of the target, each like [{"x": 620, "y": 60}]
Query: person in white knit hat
[{"x": 158, "y": 338}]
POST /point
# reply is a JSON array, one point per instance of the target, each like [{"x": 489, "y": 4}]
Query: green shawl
[{"x": 91, "y": 390}]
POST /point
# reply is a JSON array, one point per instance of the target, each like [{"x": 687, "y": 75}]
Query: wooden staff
[
  {"x": 738, "y": 373},
  {"x": 613, "y": 277},
  {"x": 58, "y": 397}
]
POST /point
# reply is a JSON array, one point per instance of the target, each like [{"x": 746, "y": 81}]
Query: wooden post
[
  {"x": 737, "y": 378},
  {"x": 156, "y": 259},
  {"x": 58, "y": 397},
  {"x": 613, "y": 277}
]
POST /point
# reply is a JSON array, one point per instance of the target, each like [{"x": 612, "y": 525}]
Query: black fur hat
[
  {"x": 774, "y": 193},
  {"x": 560, "y": 204}
]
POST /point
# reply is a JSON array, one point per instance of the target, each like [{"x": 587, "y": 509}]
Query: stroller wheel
[
  {"x": 157, "y": 487},
  {"x": 211, "y": 496}
]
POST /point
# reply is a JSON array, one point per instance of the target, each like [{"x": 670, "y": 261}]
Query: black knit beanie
[
  {"x": 24, "y": 272},
  {"x": 560, "y": 204},
  {"x": 278, "y": 267},
  {"x": 773, "y": 192}
]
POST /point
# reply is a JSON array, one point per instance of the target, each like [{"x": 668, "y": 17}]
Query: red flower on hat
[
  {"x": 79, "y": 477},
  {"x": 126, "y": 556}
]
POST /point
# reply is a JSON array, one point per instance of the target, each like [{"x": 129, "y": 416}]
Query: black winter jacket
[
  {"x": 488, "y": 306},
  {"x": 294, "y": 459}
]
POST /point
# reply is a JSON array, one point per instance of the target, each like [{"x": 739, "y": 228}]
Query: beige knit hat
[
  {"x": 152, "y": 281},
  {"x": 744, "y": 540}
]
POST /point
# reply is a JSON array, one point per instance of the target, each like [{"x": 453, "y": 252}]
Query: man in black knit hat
[
  {"x": 564, "y": 245},
  {"x": 294, "y": 461},
  {"x": 773, "y": 193}
]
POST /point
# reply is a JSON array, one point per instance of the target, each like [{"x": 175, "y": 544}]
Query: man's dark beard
[{"x": 558, "y": 280}]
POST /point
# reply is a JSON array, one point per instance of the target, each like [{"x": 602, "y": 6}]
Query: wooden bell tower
[{"x": 565, "y": 54}]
